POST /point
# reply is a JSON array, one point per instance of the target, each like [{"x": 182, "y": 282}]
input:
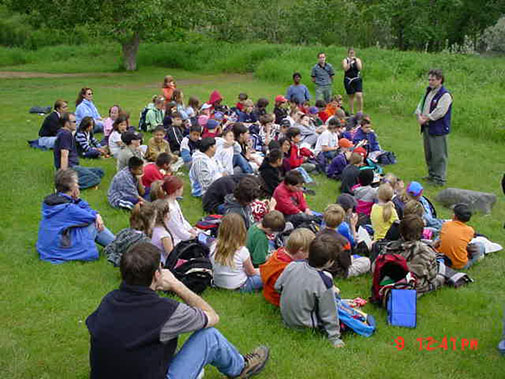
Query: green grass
[{"x": 43, "y": 306}]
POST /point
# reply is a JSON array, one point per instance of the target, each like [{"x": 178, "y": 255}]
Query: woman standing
[{"x": 353, "y": 84}]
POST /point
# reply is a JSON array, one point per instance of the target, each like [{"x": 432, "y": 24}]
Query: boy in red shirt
[
  {"x": 297, "y": 247},
  {"x": 152, "y": 171},
  {"x": 289, "y": 195}
]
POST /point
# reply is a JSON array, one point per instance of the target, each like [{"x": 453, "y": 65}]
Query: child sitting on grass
[
  {"x": 280, "y": 109},
  {"x": 189, "y": 144},
  {"x": 341, "y": 160},
  {"x": 161, "y": 237},
  {"x": 114, "y": 113},
  {"x": 290, "y": 199},
  {"x": 230, "y": 258},
  {"x": 270, "y": 173},
  {"x": 158, "y": 170},
  {"x": 365, "y": 194},
  {"x": 351, "y": 172},
  {"x": 131, "y": 141},
  {"x": 87, "y": 145},
  {"x": 383, "y": 213},
  {"x": 242, "y": 97},
  {"x": 345, "y": 265},
  {"x": 257, "y": 236},
  {"x": 119, "y": 126},
  {"x": 157, "y": 144},
  {"x": 126, "y": 187},
  {"x": 348, "y": 227},
  {"x": 455, "y": 238},
  {"x": 297, "y": 248},
  {"x": 307, "y": 291}
]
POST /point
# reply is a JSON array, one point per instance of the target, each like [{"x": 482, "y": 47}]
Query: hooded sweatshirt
[
  {"x": 63, "y": 234},
  {"x": 215, "y": 96},
  {"x": 231, "y": 205},
  {"x": 270, "y": 272}
]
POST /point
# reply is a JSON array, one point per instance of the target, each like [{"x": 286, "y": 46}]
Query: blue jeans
[
  {"x": 91, "y": 154},
  {"x": 103, "y": 238},
  {"x": 252, "y": 284},
  {"x": 205, "y": 346},
  {"x": 88, "y": 176},
  {"x": 47, "y": 142},
  {"x": 240, "y": 161},
  {"x": 477, "y": 256}
]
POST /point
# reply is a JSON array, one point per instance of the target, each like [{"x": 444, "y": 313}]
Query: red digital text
[{"x": 433, "y": 344}]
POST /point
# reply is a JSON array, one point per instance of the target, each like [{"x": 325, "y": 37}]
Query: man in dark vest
[
  {"x": 434, "y": 117},
  {"x": 134, "y": 331}
]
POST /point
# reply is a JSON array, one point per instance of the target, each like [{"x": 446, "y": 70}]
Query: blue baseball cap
[
  {"x": 415, "y": 189},
  {"x": 212, "y": 124}
]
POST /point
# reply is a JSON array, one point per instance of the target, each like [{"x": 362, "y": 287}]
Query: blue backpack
[
  {"x": 352, "y": 319},
  {"x": 402, "y": 308}
]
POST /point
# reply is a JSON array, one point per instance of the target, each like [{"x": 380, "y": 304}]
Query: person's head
[
  {"x": 294, "y": 181},
  {"x": 67, "y": 121},
  {"x": 87, "y": 124},
  {"x": 231, "y": 236},
  {"x": 435, "y": 78},
  {"x": 85, "y": 93},
  {"x": 267, "y": 118},
  {"x": 208, "y": 146},
  {"x": 178, "y": 96},
  {"x": 61, "y": 106},
  {"x": 333, "y": 216},
  {"x": 142, "y": 217},
  {"x": 275, "y": 157},
  {"x": 67, "y": 182},
  {"x": 414, "y": 190},
  {"x": 159, "y": 134},
  {"x": 320, "y": 104},
  {"x": 159, "y": 102},
  {"x": 321, "y": 58},
  {"x": 132, "y": 139},
  {"x": 345, "y": 145},
  {"x": 413, "y": 207},
  {"x": 273, "y": 222},
  {"x": 173, "y": 186},
  {"x": 247, "y": 190},
  {"x": 176, "y": 119},
  {"x": 284, "y": 126},
  {"x": 114, "y": 112},
  {"x": 262, "y": 103},
  {"x": 297, "y": 77},
  {"x": 385, "y": 194},
  {"x": 194, "y": 102},
  {"x": 323, "y": 251},
  {"x": 228, "y": 136},
  {"x": 162, "y": 210},
  {"x": 297, "y": 245},
  {"x": 136, "y": 166},
  {"x": 248, "y": 106},
  {"x": 140, "y": 265},
  {"x": 332, "y": 125},
  {"x": 285, "y": 144},
  {"x": 365, "y": 177},
  {"x": 164, "y": 161},
  {"x": 242, "y": 97},
  {"x": 194, "y": 132},
  {"x": 394, "y": 181},
  {"x": 351, "y": 53},
  {"x": 157, "y": 191},
  {"x": 347, "y": 202},
  {"x": 294, "y": 135},
  {"x": 411, "y": 228},
  {"x": 280, "y": 100},
  {"x": 120, "y": 124},
  {"x": 366, "y": 124},
  {"x": 240, "y": 132},
  {"x": 462, "y": 212},
  {"x": 170, "y": 106},
  {"x": 168, "y": 81},
  {"x": 356, "y": 159}
]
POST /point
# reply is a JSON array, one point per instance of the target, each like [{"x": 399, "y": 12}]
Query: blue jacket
[
  {"x": 87, "y": 108},
  {"x": 63, "y": 230},
  {"x": 373, "y": 144}
]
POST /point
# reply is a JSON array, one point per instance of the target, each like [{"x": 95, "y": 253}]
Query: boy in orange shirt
[
  {"x": 297, "y": 247},
  {"x": 455, "y": 237}
]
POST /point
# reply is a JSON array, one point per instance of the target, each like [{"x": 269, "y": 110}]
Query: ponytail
[
  {"x": 387, "y": 211},
  {"x": 385, "y": 194}
]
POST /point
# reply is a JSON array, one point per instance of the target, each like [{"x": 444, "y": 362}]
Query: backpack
[
  {"x": 386, "y": 158},
  {"x": 391, "y": 272},
  {"x": 142, "y": 120},
  {"x": 190, "y": 263},
  {"x": 125, "y": 239},
  {"x": 355, "y": 320},
  {"x": 210, "y": 224}
]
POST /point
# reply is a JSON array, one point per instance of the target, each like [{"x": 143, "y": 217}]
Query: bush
[{"x": 493, "y": 37}]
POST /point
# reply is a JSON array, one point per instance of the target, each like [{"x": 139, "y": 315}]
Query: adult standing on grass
[
  {"x": 353, "y": 84},
  {"x": 84, "y": 106},
  {"x": 297, "y": 93},
  {"x": 70, "y": 227},
  {"x": 434, "y": 116},
  {"x": 322, "y": 75},
  {"x": 65, "y": 154},
  {"x": 134, "y": 331}
]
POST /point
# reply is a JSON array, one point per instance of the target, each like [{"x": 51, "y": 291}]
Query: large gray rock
[{"x": 477, "y": 201}]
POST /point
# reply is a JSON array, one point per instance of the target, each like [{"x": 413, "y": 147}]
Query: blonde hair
[
  {"x": 355, "y": 159},
  {"x": 299, "y": 239},
  {"x": 231, "y": 237},
  {"x": 333, "y": 215},
  {"x": 385, "y": 194},
  {"x": 142, "y": 217},
  {"x": 157, "y": 191},
  {"x": 413, "y": 207},
  {"x": 248, "y": 103},
  {"x": 162, "y": 210}
]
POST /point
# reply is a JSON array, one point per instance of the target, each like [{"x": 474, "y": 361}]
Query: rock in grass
[{"x": 477, "y": 201}]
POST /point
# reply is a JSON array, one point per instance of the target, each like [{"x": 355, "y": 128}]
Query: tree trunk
[{"x": 130, "y": 49}]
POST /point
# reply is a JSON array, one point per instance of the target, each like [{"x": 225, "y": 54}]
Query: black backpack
[
  {"x": 142, "y": 120},
  {"x": 189, "y": 262}
]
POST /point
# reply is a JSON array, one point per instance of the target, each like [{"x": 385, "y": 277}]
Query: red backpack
[{"x": 391, "y": 272}]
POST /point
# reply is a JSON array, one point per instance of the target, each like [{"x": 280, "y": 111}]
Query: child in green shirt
[{"x": 257, "y": 240}]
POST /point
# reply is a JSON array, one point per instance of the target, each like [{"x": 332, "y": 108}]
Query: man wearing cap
[
  {"x": 297, "y": 93},
  {"x": 434, "y": 116},
  {"x": 132, "y": 142},
  {"x": 322, "y": 75}
]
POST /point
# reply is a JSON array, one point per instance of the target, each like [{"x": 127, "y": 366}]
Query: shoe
[
  {"x": 501, "y": 347},
  {"x": 427, "y": 178},
  {"x": 255, "y": 362},
  {"x": 338, "y": 343},
  {"x": 308, "y": 191}
]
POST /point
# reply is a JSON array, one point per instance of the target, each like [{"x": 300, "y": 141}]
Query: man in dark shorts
[
  {"x": 352, "y": 80},
  {"x": 134, "y": 331}
]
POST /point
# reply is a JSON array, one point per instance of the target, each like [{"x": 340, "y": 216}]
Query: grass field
[{"x": 43, "y": 306}]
